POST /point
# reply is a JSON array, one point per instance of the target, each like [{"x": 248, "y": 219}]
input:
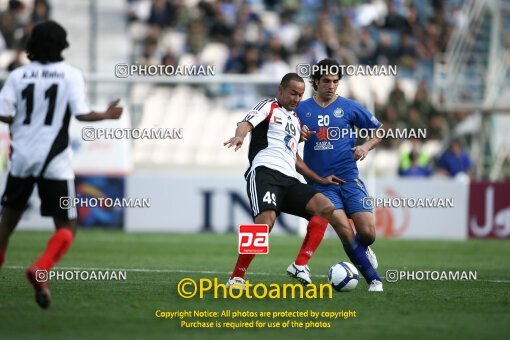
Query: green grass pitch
[{"x": 126, "y": 309}]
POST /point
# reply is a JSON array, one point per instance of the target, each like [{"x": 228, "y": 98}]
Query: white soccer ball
[{"x": 343, "y": 276}]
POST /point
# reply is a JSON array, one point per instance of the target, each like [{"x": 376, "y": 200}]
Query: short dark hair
[
  {"x": 324, "y": 67},
  {"x": 289, "y": 77},
  {"x": 46, "y": 43}
]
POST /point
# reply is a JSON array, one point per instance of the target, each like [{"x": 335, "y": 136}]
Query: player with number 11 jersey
[{"x": 38, "y": 101}]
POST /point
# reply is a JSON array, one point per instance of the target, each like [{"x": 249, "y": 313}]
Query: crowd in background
[
  {"x": 271, "y": 37},
  {"x": 16, "y": 23}
]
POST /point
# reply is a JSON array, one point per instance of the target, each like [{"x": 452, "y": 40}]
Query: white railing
[
  {"x": 446, "y": 75},
  {"x": 499, "y": 56}
]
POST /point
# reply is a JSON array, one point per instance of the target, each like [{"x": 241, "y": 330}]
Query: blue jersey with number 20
[{"x": 328, "y": 152}]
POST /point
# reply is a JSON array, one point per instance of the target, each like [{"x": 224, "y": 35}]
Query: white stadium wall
[
  {"x": 423, "y": 223},
  {"x": 190, "y": 203}
]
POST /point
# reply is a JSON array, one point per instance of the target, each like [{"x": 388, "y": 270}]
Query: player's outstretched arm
[
  {"x": 114, "y": 111},
  {"x": 241, "y": 132},
  {"x": 311, "y": 175}
]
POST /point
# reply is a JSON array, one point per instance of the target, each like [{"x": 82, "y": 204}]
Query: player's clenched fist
[
  {"x": 305, "y": 133},
  {"x": 360, "y": 152},
  {"x": 234, "y": 141}
]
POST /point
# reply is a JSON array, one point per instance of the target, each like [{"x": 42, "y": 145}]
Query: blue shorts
[{"x": 352, "y": 197}]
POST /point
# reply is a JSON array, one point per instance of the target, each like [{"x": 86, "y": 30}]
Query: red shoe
[{"x": 38, "y": 278}]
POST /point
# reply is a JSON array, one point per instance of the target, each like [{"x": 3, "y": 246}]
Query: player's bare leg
[
  {"x": 266, "y": 217},
  {"x": 236, "y": 280},
  {"x": 365, "y": 229},
  {"x": 57, "y": 246},
  {"x": 342, "y": 227},
  {"x": 320, "y": 205},
  {"x": 8, "y": 222}
]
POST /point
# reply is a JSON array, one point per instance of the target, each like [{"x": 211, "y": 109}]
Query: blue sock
[
  {"x": 356, "y": 253},
  {"x": 359, "y": 241}
]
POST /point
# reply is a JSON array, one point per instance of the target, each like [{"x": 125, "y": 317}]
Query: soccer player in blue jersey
[{"x": 329, "y": 123}]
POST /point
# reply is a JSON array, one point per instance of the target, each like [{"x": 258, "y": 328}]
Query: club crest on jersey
[
  {"x": 290, "y": 143},
  {"x": 277, "y": 120},
  {"x": 338, "y": 113}
]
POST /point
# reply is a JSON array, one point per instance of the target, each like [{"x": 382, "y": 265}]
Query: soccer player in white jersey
[
  {"x": 272, "y": 183},
  {"x": 38, "y": 101}
]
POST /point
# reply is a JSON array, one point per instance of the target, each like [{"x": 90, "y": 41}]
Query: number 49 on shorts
[{"x": 253, "y": 239}]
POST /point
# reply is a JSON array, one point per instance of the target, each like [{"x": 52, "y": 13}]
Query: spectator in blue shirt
[{"x": 455, "y": 161}]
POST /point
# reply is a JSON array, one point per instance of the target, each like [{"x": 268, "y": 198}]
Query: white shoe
[
  {"x": 300, "y": 273},
  {"x": 236, "y": 283},
  {"x": 372, "y": 258},
  {"x": 375, "y": 286}
]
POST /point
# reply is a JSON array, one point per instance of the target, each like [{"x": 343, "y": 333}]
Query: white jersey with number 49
[
  {"x": 41, "y": 98},
  {"x": 274, "y": 138}
]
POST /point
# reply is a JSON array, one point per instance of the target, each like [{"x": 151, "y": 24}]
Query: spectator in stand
[
  {"x": 437, "y": 128},
  {"x": 220, "y": 30},
  {"x": 276, "y": 64},
  {"x": 162, "y": 15},
  {"x": 365, "y": 48},
  {"x": 41, "y": 11},
  {"x": 348, "y": 35},
  {"x": 395, "y": 21},
  {"x": 415, "y": 169},
  {"x": 455, "y": 162},
  {"x": 196, "y": 38},
  {"x": 11, "y": 23},
  {"x": 405, "y": 156},
  {"x": 414, "y": 120},
  {"x": 288, "y": 31},
  {"x": 386, "y": 54},
  {"x": 422, "y": 100},
  {"x": 392, "y": 122},
  {"x": 169, "y": 59},
  {"x": 150, "y": 52},
  {"x": 407, "y": 56},
  {"x": 397, "y": 99}
]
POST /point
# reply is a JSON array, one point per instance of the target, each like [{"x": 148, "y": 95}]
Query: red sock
[
  {"x": 2, "y": 257},
  {"x": 314, "y": 234},
  {"x": 57, "y": 247},
  {"x": 243, "y": 262}
]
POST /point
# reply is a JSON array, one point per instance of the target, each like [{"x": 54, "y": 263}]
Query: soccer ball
[{"x": 343, "y": 276}]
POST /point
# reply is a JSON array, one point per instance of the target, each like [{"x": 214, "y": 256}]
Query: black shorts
[
  {"x": 52, "y": 193},
  {"x": 269, "y": 189}
]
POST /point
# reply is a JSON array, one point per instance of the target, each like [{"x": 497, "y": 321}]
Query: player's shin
[
  {"x": 58, "y": 245},
  {"x": 314, "y": 235},
  {"x": 242, "y": 264},
  {"x": 356, "y": 253}
]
